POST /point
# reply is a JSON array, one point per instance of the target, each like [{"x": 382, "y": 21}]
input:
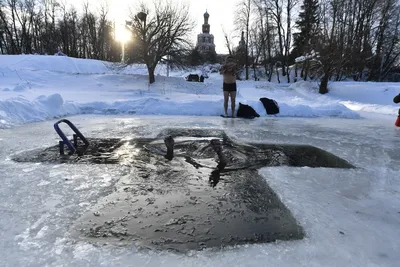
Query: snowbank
[{"x": 35, "y": 88}]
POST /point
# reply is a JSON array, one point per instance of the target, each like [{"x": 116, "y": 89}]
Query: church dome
[{"x": 206, "y": 15}]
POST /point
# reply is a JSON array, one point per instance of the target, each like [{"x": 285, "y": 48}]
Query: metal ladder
[{"x": 72, "y": 147}]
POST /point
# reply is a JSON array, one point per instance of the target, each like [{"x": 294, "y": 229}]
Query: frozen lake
[{"x": 350, "y": 216}]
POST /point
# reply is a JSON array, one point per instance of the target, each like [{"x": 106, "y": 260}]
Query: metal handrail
[{"x": 71, "y": 147}]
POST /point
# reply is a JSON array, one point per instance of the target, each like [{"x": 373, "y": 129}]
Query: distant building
[
  {"x": 242, "y": 42},
  {"x": 205, "y": 40},
  {"x": 240, "y": 51}
]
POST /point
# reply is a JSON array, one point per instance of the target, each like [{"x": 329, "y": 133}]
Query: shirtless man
[{"x": 228, "y": 71}]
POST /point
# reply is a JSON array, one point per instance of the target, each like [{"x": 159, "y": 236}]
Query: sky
[
  {"x": 221, "y": 16},
  {"x": 350, "y": 216}
]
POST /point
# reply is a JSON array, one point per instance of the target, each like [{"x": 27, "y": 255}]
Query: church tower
[
  {"x": 241, "y": 51},
  {"x": 205, "y": 40},
  {"x": 206, "y": 26}
]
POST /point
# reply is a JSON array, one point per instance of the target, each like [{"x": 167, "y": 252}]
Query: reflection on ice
[
  {"x": 243, "y": 209},
  {"x": 350, "y": 216}
]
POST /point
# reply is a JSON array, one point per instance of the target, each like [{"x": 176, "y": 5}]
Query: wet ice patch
[
  {"x": 30, "y": 169},
  {"x": 184, "y": 203},
  {"x": 106, "y": 180},
  {"x": 58, "y": 173},
  {"x": 84, "y": 204},
  {"x": 43, "y": 183},
  {"x": 82, "y": 187},
  {"x": 59, "y": 246},
  {"x": 83, "y": 250},
  {"x": 28, "y": 239},
  {"x": 42, "y": 232},
  {"x": 53, "y": 201}
]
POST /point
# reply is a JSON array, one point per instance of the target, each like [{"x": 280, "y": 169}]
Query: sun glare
[{"x": 122, "y": 34}]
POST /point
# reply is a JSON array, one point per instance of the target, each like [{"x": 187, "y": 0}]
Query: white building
[{"x": 205, "y": 40}]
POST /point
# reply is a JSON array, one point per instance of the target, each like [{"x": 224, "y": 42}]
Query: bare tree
[
  {"x": 49, "y": 40},
  {"x": 270, "y": 30},
  {"x": 255, "y": 47},
  {"x": 352, "y": 38},
  {"x": 228, "y": 42},
  {"x": 262, "y": 36},
  {"x": 161, "y": 32},
  {"x": 290, "y": 4},
  {"x": 242, "y": 22},
  {"x": 6, "y": 30},
  {"x": 102, "y": 31},
  {"x": 276, "y": 9},
  {"x": 329, "y": 58},
  {"x": 385, "y": 40},
  {"x": 354, "y": 31}
]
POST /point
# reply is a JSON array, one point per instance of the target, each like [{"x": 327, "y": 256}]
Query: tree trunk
[
  {"x": 289, "y": 5},
  {"x": 152, "y": 78},
  {"x": 277, "y": 73},
  {"x": 247, "y": 54},
  {"x": 306, "y": 67},
  {"x": 271, "y": 71},
  {"x": 323, "y": 87},
  {"x": 266, "y": 69},
  {"x": 254, "y": 72},
  {"x": 1, "y": 45},
  {"x": 269, "y": 48},
  {"x": 263, "y": 42}
]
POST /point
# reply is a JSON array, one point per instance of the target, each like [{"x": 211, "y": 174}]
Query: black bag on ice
[
  {"x": 270, "y": 105},
  {"x": 245, "y": 111}
]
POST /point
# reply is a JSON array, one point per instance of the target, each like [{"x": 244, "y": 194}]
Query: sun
[{"x": 122, "y": 34}]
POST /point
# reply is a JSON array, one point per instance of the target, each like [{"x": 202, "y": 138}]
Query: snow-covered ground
[
  {"x": 35, "y": 88},
  {"x": 351, "y": 217}
]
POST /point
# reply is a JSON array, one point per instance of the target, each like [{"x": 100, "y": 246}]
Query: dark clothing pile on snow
[
  {"x": 245, "y": 111},
  {"x": 270, "y": 105}
]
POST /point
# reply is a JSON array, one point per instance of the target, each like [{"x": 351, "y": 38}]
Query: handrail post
[{"x": 72, "y": 147}]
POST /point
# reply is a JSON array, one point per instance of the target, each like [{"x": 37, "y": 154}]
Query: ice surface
[{"x": 351, "y": 217}]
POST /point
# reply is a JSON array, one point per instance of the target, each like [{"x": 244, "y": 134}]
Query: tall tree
[
  {"x": 276, "y": 10},
  {"x": 308, "y": 25},
  {"x": 266, "y": 31},
  {"x": 242, "y": 23},
  {"x": 385, "y": 40},
  {"x": 228, "y": 42},
  {"x": 290, "y": 4},
  {"x": 329, "y": 54},
  {"x": 161, "y": 32}
]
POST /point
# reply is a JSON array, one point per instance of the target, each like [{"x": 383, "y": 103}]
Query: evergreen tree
[
  {"x": 211, "y": 57},
  {"x": 308, "y": 24},
  {"x": 195, "y": 57}
]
